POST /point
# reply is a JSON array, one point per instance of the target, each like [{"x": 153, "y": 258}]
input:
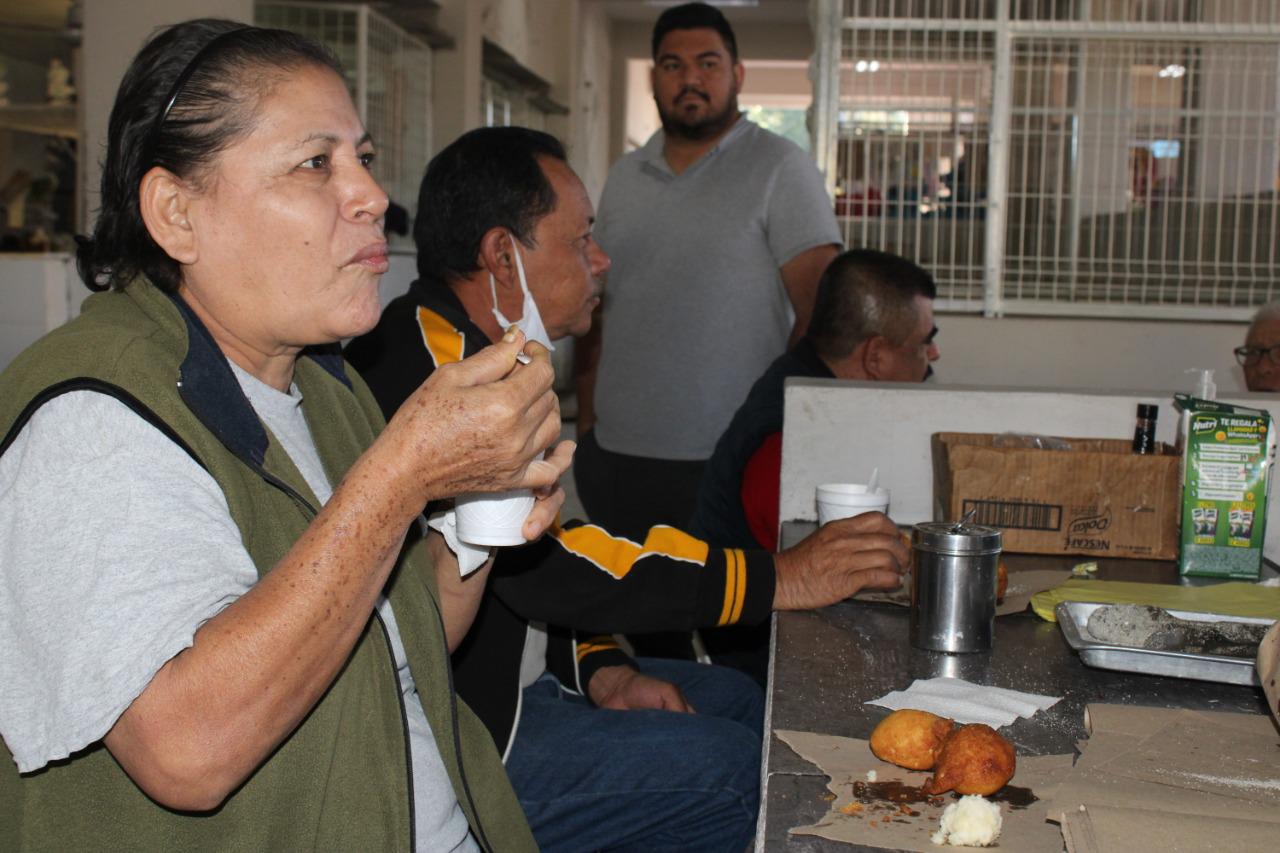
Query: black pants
[{"x": 627, "y": 495}]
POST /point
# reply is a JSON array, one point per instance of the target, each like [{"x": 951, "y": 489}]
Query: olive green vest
[{"x": 341, "y": 781}]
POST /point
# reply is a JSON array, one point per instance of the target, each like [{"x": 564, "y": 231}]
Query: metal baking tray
[{"x": 1073, "y": 618}]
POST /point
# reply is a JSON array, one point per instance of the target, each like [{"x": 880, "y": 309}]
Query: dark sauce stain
[
  {"x": 902, "y": 794},
  {"x": 894, "y": 792},
  {"x": 1017, "y": 798}
]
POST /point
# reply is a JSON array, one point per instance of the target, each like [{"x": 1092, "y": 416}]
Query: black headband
[{"x": 191, "y": 66}]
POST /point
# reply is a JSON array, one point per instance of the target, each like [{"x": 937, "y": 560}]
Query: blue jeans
[{"x": 595, "y": 779}]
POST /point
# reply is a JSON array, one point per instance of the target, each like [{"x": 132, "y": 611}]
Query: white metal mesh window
[
  {"x": 388, "y": 74},
  {"x": 913, "y": 128},
  {"x": 499, "y": 105},
  {"x": 1172, "y": 189},
  {"x": 1095, "y": 157}
]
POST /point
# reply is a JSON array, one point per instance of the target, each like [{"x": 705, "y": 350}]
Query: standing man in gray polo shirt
[{"x": 719, "y": 231}]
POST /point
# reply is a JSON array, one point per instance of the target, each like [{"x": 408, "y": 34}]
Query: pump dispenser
[{"x": 1205, "y": 387}]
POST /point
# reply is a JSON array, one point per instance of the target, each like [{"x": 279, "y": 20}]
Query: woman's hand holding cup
[{"x": 481, "y": 425}]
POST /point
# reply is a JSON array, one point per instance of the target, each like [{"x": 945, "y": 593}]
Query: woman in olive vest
[{"x": 221, "y": 626}]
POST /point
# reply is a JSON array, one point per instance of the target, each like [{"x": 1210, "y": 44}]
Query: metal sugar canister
[{"x": 953, "y": 586}]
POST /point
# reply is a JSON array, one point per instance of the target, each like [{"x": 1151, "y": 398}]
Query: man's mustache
[{"x": 689, "y": 90}]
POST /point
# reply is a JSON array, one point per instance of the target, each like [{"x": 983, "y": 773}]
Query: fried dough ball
[
  {"x": 910, "y": 739},
  {"x": 974, "y": 760},
  {"x": 1002, "y": 580}
]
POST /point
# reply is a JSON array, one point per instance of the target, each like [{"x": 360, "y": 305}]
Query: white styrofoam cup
[
  {"x": 493, "y": 518},
  {"x": 845, "y": 500}
]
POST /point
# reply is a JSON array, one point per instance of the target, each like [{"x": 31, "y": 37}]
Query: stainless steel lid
[{"x": 949, "y": 537}]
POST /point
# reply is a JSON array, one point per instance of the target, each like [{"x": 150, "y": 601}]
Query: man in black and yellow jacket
[{"x": 596, "y": 744}]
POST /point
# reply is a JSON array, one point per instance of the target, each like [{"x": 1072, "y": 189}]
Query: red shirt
[{"x": 761, "y": 491}]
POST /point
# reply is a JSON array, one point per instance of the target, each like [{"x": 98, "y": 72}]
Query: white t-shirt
[{"x": 117, "y": 548}]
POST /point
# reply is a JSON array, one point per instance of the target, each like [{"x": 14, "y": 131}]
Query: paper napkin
[
  {"x": 470, "y": 557},
  {"x": 966, "y": 702}
]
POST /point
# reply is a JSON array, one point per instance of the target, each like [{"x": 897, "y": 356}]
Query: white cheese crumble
[{"x": 971, "y": 821}]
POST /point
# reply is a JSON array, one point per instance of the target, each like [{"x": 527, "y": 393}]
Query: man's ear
[
  {"x": 496, "y": 257},
  {"x": 164, "y": 201},
  {"x": 739, "y": 74},
  {"x": 853, "y": 365},
  {"x": 875, "y": 357}
]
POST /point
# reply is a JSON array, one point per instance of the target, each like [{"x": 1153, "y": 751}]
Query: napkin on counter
[
  {"x": 1228, "y": 599},
  {"x": 966, "y": 702}
]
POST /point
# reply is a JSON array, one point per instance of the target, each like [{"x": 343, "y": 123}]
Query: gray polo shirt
[{"x": 695, "y": 308}]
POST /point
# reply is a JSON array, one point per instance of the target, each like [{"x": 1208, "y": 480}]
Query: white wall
[
  {"x": 1075, "y": 353},
  {"x": 37, "y": 293},
  {"x": 455, "y": 73},
  {"x": 506, "y": 22},
  {"x": 588, "y": 137},
  {"x": 538, "y": 33},
  {"x": 565, "y": 42},
  {"x": 113, "y": 32}
]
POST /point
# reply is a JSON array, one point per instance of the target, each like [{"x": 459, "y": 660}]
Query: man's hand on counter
[{"x": 838, "y": 560}]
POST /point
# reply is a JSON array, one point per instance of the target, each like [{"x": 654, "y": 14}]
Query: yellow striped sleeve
[
  {"x": 443, "y": 341},
  {"x": 735, "y": 586},
  {"x": 740, "y": 583},
  {"x": 595, "y": 644},
  {"x": 616, "y": 556}
]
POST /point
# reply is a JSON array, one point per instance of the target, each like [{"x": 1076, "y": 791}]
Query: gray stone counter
[{"x": 826, "y": 663}]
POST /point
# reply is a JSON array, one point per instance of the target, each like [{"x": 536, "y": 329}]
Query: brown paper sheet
[
  {"x": 1102, "y": 829},
  {"x": 1160, "y": 779},
  {"x": 883, "y": 824},
  {"x": 1017, "y": 595}
]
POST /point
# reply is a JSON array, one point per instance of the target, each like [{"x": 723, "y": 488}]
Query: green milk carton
[{"x": 1227, "y": 454}]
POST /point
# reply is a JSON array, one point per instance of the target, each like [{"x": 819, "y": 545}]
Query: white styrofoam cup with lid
[{"x": 845, "y": 500}]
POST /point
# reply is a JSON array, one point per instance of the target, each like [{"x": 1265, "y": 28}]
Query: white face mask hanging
[{"x": 530, "y": 321}]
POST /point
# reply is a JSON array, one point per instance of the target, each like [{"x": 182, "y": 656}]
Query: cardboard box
[{"x": 1099, "y": 498}]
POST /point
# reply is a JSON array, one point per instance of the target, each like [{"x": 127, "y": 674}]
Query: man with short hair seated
[{"x": 872, "y": 320}]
